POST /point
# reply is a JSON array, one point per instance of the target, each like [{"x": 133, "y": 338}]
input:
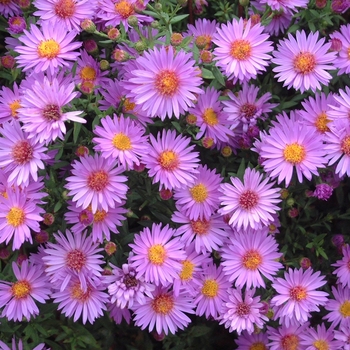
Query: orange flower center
[
  {"x": 241, "y": 50},
  {"x": 168, "y": 160},
  {"x": 210, "y": 117},
  {"x": 258, "y": 346},
  {"x": 52, "y": 113},
  {"x": 121, "y": 142},
  {"x": 21, "y": 289},
  {"x": 77, "y": 293},
  {"x": 187, "y": 270},
  {"x": 167, "y": 83},
  {"x": 304, "y": 63},
  {"x": 248, "y": 200},
  {"x": 98, "y": 180},
  {"x": 14, "y": 107},
  {"x": 157, "y": 254},
  {"x": 100, "y": 216},
  {"x": 65, "y": 8},
  {"x": 294, "y": 153},
  {"x": 48, "y": 49},
  {"x": 124, "y": 9},
  {"x": 163, "y": 304},
  {"x": 290, "y": 342},
  {"x": 321, "y": 122},
  {"x": 200, "y": 227},
  {"x": 251, "y": 260},
  {"x": 210, "y": 288},
  {"x": 321, "y": 345},
  {"x": 76, "y": 259},
  {"x": 298, "y": 293},
  {"x": 199, "y": 193},
  {"x": 22, "y": 152},
  {"x": 345, "y": 145},
  {"x": 345, "y": 308},
  {"x": 128, "y": 106},
  {"x": 88, "y": 73}
]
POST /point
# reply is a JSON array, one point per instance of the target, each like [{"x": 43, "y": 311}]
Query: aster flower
[
  {"x": 211, "y": 120},
  {"x": 20, "y": 156},
  {"x": 200, "y": 200},
  {"x": 3, "y": 346},
  {"x": 246, "y": 108},
  {"x": 203, "y": 31},
  {"x": 250, "y": 203},
  {"x": 42, "y": 107},
  {"x": 67, "y": 14},
  {"x": 246, "y": 341},
  {"x": 343, "y": 336},
  {"x": 207, "y": 235},
  {"x": 156, "y": 255},
  {"x": 122, "y": 139},
  {"x": 9, "y": 8},
  {"x": 18, "y": 216},
  {"x": 47, "y": 49},
  {"x": 72, "y": 256},
  {"x": 343, "y": 268},
  {"x": 242, "y": 49},
  {"x": 10, "y": 102},
  {"x": 286, "y": 5},
  {"x": 164, "y": 312},
  {"x": 164, "y": 83},
  {"x": 342, "y": 60},
  {"x": 249, "y": 255},
  {"x": 117, "y": 314},
  {"x": 75, "y": 302},
  {"x": 279, "y": 23},
  {"x": 339, "y": 307},
  {"x": 242, "y": 311},
  {"x": 323, "y": 192},
  {"x": 286, "y": 338},
  {"x": 303, "y": 62},
  {"x": 340, "y": 106},
  {"x": 290, "y": 146},
  {"x": 319, "y": 338},
  {"x": 18, "y": 298},
  {"x": 212, "y": 286},
  {"x": 297, "y": 295},
  {"x": 96, "y": 182},
  {"x": 170, "y": 160},
  {"x": 102, "y": 222}
]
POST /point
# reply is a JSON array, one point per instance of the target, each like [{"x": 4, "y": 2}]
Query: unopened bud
[
  {"x": 21, "y": 258},
  {"x": 88, "y": 25},
  {"x": 293, "y": 213},
  {"x": 8, "y": 61},
  {"x": 90, "y": 46},
  {"x": 110, "y": 248},
  {"x": 165, "y": 194},
  {"x": 226, "y": 151},
  {"x": 244, "y": 2},
  {"x": 191, "y": 119},
  {"x": 17, "y": 24},
  {"x": 176, "y": 39},
  {"x": 155, "y": 24},
  {"x": 4, "y": 254},
  {"x": 41, "y": 237},
  {"x": 140, "y": 46},
  {"x": 139, "y": 168},
  {"x": 206, "y": 56},
  {"x": 24, "y": 4},
  {"x": 49, "y": 219},
  {"x": 82, "y": 151},
  {"x": 158, "y": 6},
  {"x": 113, "y": 34},
  {"x": 120, "y": 55},
  {"x": 104, "y": 65},
  {"x": 320, "y": 4},
  {"x": 336, "y": 44},
  {"x": 208, "y": 142},
  {"x": 133, "y": 21},
  {"x": 305, "y": 263}
]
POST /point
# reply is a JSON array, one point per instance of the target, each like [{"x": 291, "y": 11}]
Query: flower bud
[
  {"x": 21, "y": 258},
  {"x": 244, "y": 3},
  {"x": 133, "y": 21},
  {"x": 338, "y": 240},
  {"x": 207, "y": 142},
  {"x": 176, "y": 39},
  {"x": 24, "y": 4},
  {"x": 206, "y": 56},
  {"x": 91, "y": 47},
  {"x": 293, "y": 213},
  {"x": 140, "y": 46},
  {"x": 191, "y": 119},
  {"x": 320, "y": 4},
  {"x": 158, "y": 6},
  {"x": 226, "y": 151},
  {"x": 336, "y": 45},
  {"x": 139, "y": 168},
  {"x": 305, "y": 263},
  {"x": 49, "y": 219},
  {"x": 41, "y": 237},
  {"x": 4, "y": 254},
  {"x": 17, "y": 24},
  {"x": 113, "y": 34},
  {"x": 120, "y": 55},
  {"x": 165, "y": 194},
  {"x": 104, "y": 65},
  {"x": 8, "y": 61},
  {"x": 82, "y": 151},
  {"x": 88, "y": 25},
  {"x": 110, "y": 248}
]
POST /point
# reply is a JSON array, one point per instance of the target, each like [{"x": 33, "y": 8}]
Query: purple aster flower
[
  {"x": 280, "y": 22},
  {"x": 340, "y": 6},
  {"x": 157, "y": 255},
  {"x": 203, "y": 31},
  {"x": 292, "y": 145},
  {"x": 339, "y": 307},
  {"x": 19, "y": 346},
  {"x": 10, "y": 102},
  {"x": 323, "y": 191},
  {"x": 163, "y": 311},
  {"x": 117, "y": 314},
  {"x": 18, "y": 298},
  {"x": 297, "y": 295},
  {"x": 286, "y": 5},
  {"x": 340, "y": 106},
  {"x": 122, "y": 139},
  {"x": 343, "y": 268},
  {"x": 249, "y": 255},
  {"x": 16, "y": 25},
  {"x": 250, "y": 203},
  {"x": 343, "y": 336},
  {"x": 42, "y": 107},
  {"x": 242, "y": 50},
  {"x": 163, "y": 83},
  {"x": 74, "y": 301},
  {"x": 9, "y": 8},
  {"x": 170, "y": 160},
  {"x": 200, "y": 199},
  {"x": 47, "y": 49},
  {"x": 246, "y": 341},
  {"x": 303, "y": 62},
  {"x": 241, "y": 311},
  {"x": 342, "y": 61},
  {"x": 96, "y": 182},
  {"x": 72, "y": 256}
]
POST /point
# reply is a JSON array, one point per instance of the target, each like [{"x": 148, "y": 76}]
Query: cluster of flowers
[{"x": 171, "y": 273}]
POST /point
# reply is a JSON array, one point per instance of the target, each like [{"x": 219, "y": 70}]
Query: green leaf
[
  {"x": 77, "y": 128},
  {"x": 178, "y": 18},
  {"x": 198, "y": 331},
  {"x": 218, "y": 75},
  {"x": 207, "y": 74},
  {"x": 57, "y": 207}
]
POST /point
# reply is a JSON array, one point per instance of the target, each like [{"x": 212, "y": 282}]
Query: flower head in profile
[
  {"x": 241, "y": 312},
  {"x": 96, "y": 182},
  {"x": 122, "y": 139},
  {"x": 164, "y": 311},
  {"x": 164, "y": 83},
  {"x": 242, "y": 50},
  {"x": 250, "y": 203},
  {"x": 157, "y": 255},
  {"x": 249, "y": 255},
  {"x": 18, "y": 298},
  {"x": 49, "y": 48},
  {"x": 342, "y": 61},
  {"x": 246, "y": 341},
  {"x": 297, "y": 295},
  {"x": 303, "y": 61},
  {"x": 170, "y": 160}
]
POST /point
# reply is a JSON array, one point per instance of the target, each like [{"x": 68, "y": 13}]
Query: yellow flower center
[
  {"x": 199, "y": 193},
  {"x": 21, "y": 289},
  {"x": 210, "y": 288},
  {"x": 345, "y": 145},
  {"x": 258, "y": 346},
  {"x": 251, "y": 260},
  {"x": 65, "y": 8},
  {"x": 168, "y": 160},
  {"x": 124, "y": 8},
  {"x": 349, "y": 52},
  {"x": 121, "y": 142},
  {"x": 304, "y": 62},
  {"x": 77, "y": 293},
  {"x": 128, "y": 106},
  {"x": 241, "y": 50},
  {"x": 200, "y": 227},
  {"x": 294, "y": 153},
  {"x": 298, "y": 293},
  {"x": 321, "y": 345},
  {"x": 210, "y": 117},
  {"x": 88, "y": 73},
  {"x": 345, "y": 308},
  {"x": 290, "y": 342},
  {"x": 163, "y": 304},
  {"x": 14, "y": 107},
  {"x": 321, "y": 122},
  {"x": 16, "y": 217},
  {"x": 98, "y": 180},
  {"x": 167, "y": 83},
  {"x": 100, "y": 216},
  {"x": 76, "y": 259},
  {"x": 203, "y": 41},
  {"x": 187, "y": 270},
  {"x": 48, "y": 49},
  {"x": 157, "y": 254}
]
